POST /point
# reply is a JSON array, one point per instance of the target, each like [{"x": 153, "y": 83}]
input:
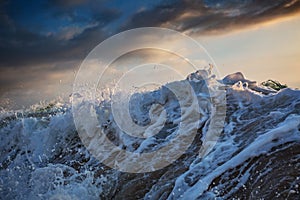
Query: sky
[{"x": 42, "y": 43}]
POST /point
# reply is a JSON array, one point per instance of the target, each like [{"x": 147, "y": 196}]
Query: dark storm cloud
[
  {"x": 86, "y": 23},
  {"x": 209, "y": 16},
  {"x": 68, "y": 3},
  {"x": 43, "y": 42},
  {"x": 25, "y": 48},
  {"x": 22, "y": 45}
]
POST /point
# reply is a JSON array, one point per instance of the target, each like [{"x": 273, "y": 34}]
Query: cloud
[
  {"x": 68, "y": 3},
  {"x": 48, "y": 44},
  {"x": 86, "y": 23},
  {"x": 52, "y": 33},
  {"x": 212, "y": 16},
  {"x": 23, "y": 46}
]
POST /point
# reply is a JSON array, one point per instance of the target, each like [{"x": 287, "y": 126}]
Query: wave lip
[{"x": 159, "y": 126}]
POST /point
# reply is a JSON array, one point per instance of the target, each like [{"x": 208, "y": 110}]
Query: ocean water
[{"x": 255, "y": 156}]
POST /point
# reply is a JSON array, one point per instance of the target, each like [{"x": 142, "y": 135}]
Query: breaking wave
[{"x": 256, "y": 155}]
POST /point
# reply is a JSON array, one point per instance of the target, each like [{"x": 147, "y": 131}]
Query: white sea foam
[{"x": 42, "y": 156}]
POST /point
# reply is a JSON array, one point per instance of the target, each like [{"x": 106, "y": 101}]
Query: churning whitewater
[{"x": 255, "y": 156}]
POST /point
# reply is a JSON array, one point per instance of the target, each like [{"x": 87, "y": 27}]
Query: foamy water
[{"x": 257, "y": 154}]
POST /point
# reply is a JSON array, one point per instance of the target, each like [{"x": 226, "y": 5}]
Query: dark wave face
[{"x": 257, "y": 155}]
